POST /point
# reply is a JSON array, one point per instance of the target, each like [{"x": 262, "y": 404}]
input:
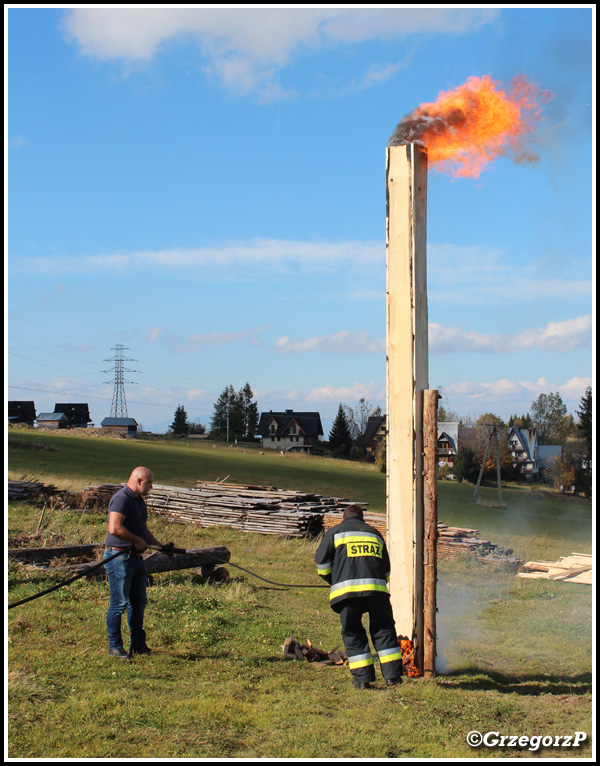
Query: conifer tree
[
  {"x": 180, "y": 425},
  {"x": 340, "y": 438}
]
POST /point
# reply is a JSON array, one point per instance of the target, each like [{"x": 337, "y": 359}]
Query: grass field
[{"x": 514, "y": 656}]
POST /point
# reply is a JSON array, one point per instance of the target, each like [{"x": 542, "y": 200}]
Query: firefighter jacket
[{"x": 353, "y": 559}]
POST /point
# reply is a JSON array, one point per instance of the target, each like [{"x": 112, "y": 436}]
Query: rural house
[
  {"x": 524, "y": 450},
  {"x": 78, "y": 415},
  {"x": 21, "y": 412},
  {"x": 447, "y": 443},
  {"x": 549, "y": 453},
  {"x": 375, "y": 433},
  {"x": 290, "y": 431},
  {"x": 52, "y": 420},
  {"x": 126, "y": 426}
]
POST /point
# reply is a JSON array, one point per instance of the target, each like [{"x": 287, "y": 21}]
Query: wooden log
[
  {"x": 34, "y": 555},
  {"x": 191, "y": 559},
  {"x": 430, "y": 531},
  {"x": 160, "y": 562}
]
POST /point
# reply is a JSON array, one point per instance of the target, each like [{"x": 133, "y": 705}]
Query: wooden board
[{"x": 407, "y": 378}]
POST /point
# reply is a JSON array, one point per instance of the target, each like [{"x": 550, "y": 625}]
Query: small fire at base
[{"x": 408, "y": 657}]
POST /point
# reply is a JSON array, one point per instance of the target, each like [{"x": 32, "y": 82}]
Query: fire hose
[
  {"x": 72, "y": 579},
  {"x": 169, "y": 549}
]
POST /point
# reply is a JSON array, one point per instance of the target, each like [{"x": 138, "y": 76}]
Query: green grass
[
  {"x": 513, "y": 655},
  {"x": 79, "y": 460}
]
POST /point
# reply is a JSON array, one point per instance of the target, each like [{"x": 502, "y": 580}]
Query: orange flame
[
  {"x": 467, "y": 128},
  {"x": 408, "y": 657}
]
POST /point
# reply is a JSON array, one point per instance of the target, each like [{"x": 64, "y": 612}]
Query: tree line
[
  {"x": 554, "y": 426},
  {"x": 235, "y": 417}
]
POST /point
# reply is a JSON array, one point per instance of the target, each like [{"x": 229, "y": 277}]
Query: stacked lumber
[
  {"x": 455, "y": 540},
  {"x": 266, "y": 510},
  {"x": 578, "y": 567},
  {"x": 376, "y": 520},
  {"x": 27, "y": 490},
  {"x": 98, "y": 495},
  {"x": 451, "y": 541}
]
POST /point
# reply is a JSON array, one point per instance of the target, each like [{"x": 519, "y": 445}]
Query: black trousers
[{"x": 382, "y": 629}]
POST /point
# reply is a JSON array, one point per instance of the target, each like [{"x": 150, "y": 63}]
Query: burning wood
[
  {"x": 468, "y": 127},
  {"x": 408, "y": 657}
]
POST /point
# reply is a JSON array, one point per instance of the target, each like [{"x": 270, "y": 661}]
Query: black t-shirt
[{"x": 136, "y": 515}]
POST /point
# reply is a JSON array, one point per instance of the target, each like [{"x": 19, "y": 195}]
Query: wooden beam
[
  {"x": 407, "y": 378},
  {"x": 47, "y": 554},
  {"x": 430, "y": 530}
]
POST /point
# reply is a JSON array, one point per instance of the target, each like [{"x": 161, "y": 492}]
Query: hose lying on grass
[{"x": 167, "y": 549}]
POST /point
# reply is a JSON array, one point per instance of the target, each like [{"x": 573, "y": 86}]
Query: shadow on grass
[{"x": 524, "y": 684}]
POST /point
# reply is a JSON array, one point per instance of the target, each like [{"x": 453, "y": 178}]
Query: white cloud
[
  {"x": 457, "y": 275},
  {"x": 479, "y": 275},
  {"x": 512, "y": 393},
  {"x": 245, "y": 47},
  {"x": 345, "y": 342},
  {"x": 200, "y": 340},
  {"x": 560, "y": 337},
  {"x": 555, "y": 336},
  {"x": 256, "y": 253},
  {"x": 155, "y": 333},
  {"x": 369, "y": 391}
]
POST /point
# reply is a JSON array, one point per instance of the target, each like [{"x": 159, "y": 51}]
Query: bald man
[{"x": 127, "y": 575}]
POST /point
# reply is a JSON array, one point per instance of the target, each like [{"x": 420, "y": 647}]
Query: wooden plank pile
[
  {"x": 578, "y": 567},
  {"x": 99, "y": 495},
  {"x": 377, "y": 520},
  {"x": 266, "y": 510},
  {"x": 451, "y": 541},
  {"x": 30, "y": 490}
]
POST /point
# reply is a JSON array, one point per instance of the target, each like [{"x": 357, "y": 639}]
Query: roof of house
[
  {"x": 74, "y": 411},
  {"x": 523, "y": 435},
  {"x": 549, "y": 452},
  {"x": 373, "y": 425},
  {"x": 52, "y": 416},
  {"x": 118, "y": 422},
  {"x": 21, "y": 410},
  {"x": 449, "y": 431},
  {"x": 309, "y": 423}
]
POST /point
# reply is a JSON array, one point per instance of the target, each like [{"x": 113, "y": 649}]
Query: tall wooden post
[
  {"x": 430, "y": 531},
  {"x": 407, "y": 378}
]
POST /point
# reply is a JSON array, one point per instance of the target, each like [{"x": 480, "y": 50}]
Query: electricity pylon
[{"x": 118, "y": 408}]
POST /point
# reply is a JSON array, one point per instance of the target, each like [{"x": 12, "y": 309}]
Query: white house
[{"x": 290, "y": 431}]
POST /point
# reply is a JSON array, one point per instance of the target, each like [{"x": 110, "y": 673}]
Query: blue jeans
[{"x": 127, "y": 578}]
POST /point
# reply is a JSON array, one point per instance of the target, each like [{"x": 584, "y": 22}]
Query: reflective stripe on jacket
[{"x": 354, "y": 560}]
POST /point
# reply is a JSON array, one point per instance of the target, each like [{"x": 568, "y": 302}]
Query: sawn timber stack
[
  {"x": 250, "y": 508},
  {"x": 451, "y": 541}
]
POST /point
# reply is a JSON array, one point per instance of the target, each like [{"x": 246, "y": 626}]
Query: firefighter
[{"x": 353, "y": 559}]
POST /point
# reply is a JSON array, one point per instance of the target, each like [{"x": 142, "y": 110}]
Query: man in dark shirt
[
  {"x": 354, "y": 560},
  {"x": 127, "y": 575}
]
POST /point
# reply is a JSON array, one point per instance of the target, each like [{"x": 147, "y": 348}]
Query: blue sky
[{"x": 207, "y": 187}]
